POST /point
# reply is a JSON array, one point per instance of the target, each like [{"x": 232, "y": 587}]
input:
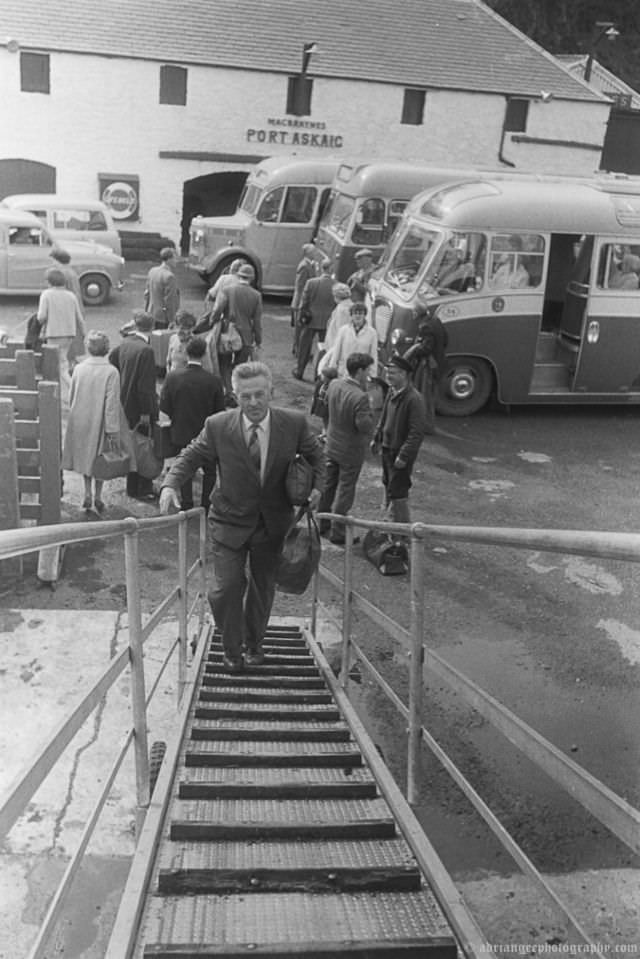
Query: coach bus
[
  {"x": 277, "y": 213},
  {"x": 536, "y": 282},
  {"x": 366, "y": 203}
]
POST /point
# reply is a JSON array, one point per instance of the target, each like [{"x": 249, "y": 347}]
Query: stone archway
[
  {"x": 26, "y": 176},
  {"x": 215, "y": 194}
]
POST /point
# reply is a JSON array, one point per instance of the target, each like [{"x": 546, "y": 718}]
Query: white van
[{"x": 70, "y": 219}]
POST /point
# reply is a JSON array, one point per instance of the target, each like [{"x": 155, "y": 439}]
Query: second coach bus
[{"x": 536, "y": 281}]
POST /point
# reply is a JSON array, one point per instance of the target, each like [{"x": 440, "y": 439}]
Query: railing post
[
  {"x": 416, "y": 664},
  {"x": 203, "y": 566},
  {"x": 182, "y": 605},
  {"x": 314, "y": 602},
  {"x": 138, "y": 695},
  {"x": 347, "y": 605}
]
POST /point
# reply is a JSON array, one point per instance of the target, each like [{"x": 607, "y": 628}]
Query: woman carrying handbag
[{"x": 94, "y": 425}]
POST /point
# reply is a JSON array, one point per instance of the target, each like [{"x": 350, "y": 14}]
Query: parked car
[
  {"x": 70, "y": 219},
  {"x": 25, "y": 256}
]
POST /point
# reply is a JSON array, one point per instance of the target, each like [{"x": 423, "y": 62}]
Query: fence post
[
  {"x": 182, "y": 605},
  {"x": 138, "y": 694},
  {"x": 416, "y": 664},
  {"x": 203, "y": 565},
  {"x": 49, "y": 429},
  {"x": 347, "y": 605},
  {"x": 9, "y": 492}
]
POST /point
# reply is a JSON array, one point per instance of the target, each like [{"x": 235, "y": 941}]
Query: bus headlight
[
  {"x": 397, "y": 336},
  {"x": 198, "y": 236}
]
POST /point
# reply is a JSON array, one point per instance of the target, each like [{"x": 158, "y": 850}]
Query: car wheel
[
  {"x": 95, "y": 289},
  {"x": 465, "y": 386}
]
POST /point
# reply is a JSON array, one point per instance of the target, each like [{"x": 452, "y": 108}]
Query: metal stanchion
[
  {"x": 416, "y": 665},
  {"x": 138, "y": 694}
]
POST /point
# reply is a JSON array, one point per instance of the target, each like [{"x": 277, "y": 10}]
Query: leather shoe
[
  {"x": 255, "y": 658},
  {"x": 233, "y": 665},
  {"x": 296, "y": 375}
]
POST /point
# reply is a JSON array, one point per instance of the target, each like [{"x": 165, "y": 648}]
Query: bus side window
[
  {"x": 299, "y": 204},
  {"x": 517, "y": 261},
  {"x": 618, "y": 267},
  {"x": 270, "y": 206},
  {"x": 369, "y": 226}
]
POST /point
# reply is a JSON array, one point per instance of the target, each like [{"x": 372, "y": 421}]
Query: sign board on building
[{"x": 121, "y": 193}]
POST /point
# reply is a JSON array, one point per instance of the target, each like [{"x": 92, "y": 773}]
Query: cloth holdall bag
[
  {"x": 299, "y": 480},
  {"x": 300, "y": 554},
  {"x": 230, "y": 340},
  {"x": 148, "y": 464},
  {"x": 389, "y": 556}
]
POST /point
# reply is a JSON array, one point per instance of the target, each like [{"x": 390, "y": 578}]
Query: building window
[
  {"x": 413, "y": 107},
  {"x": 34, "y": 72},
  {"x": 173, "y": 85},
  {"x": 299, "y": 96},
  {"x": 515, "y": 120}
]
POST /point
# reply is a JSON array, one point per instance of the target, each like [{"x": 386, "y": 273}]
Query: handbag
[
  {"x": 33, "y": 338},
  {"x": 111, "y": 463},
  {"x": 300, "y": 555},
  {"x": 148, "y": 464},
  {"x": 299, "y": 480},
  {"x": 163, "y": 445},
  {"x": 389, "y": 556},
  {"x": 230, "y": 340}
]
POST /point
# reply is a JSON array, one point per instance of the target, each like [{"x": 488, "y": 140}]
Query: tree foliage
[{"x": 569, "y": 26}]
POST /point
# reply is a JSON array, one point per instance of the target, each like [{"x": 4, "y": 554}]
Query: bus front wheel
[
  {"x": 465, "y": 386},
  {"x": 223, "y": 267}
]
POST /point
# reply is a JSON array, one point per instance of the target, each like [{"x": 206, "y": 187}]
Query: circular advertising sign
[{"x": 122, "y": 200}]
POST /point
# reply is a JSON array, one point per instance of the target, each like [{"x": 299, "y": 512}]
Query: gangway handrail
[
  {"x": 614, "y": 812},
  {"x": 20, "y": 542}
]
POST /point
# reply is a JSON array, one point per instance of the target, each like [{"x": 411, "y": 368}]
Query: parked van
[
  {"x": 25, "y": 257},
  {"x": 69, "y": 218},
  {"x": 277, "y": 213},
  {"x": 537, "y": 283}
]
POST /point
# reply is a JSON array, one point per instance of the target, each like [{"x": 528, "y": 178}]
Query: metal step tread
[
  {"x": 280, "y": 855},
  {"x": 301, "y": 775},
  {"x": 270, "y": 750},
  {"x": 332, "y": 923},
  {"x": 274, "y": 710},
  {"x": 278, "y": 810},
  {"x": 269, "y": 695},
  {"x": 269, "y": 729},
  {"x": 276, "y": 666},
  {"x": 277, "y": 647},
  {"x": 261, "y": 681}
]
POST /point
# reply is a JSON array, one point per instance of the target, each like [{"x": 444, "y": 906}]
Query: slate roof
[
  {"x": 453, "y": 44},
  {"x": 601, "y": 78}
]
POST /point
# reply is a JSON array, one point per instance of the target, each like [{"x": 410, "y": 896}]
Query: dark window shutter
[
  {"x": 299, "y": 92},
  {"x": 34, "y": 72},
  {"x": 515, "y": 120},
  {"x": 413, "y": 107},
  {"x": 173, "y": 85}
]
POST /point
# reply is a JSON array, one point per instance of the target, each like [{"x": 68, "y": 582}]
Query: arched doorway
[
  {"x": 26, "y": 176},
  {"x": 215, "y": 194}
]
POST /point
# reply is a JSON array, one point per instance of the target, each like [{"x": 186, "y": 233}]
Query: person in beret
[
  {"x": 358, "y": 282},
  {"x": 398, "y": 436}
]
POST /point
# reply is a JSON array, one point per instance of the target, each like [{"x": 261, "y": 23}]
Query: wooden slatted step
[
  {"x": 381, "y": 926},
  {"x": 265, "y": 694},
  {"x": 270, "y": 731},
  {"x": 254, "y": 783},
  {"x": 224, "y": 867},
  {"x": 278, "y": 755},
  {"x": 277, "y": 647},
  {"x": 265, "y": 711}
]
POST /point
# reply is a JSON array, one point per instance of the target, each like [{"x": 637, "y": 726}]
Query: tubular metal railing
[
  {"x": 622, "y": 819},
  {"x": 16, "y": 797}
]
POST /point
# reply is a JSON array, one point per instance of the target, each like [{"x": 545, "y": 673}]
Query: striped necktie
[{"x": 254, "y": 446}]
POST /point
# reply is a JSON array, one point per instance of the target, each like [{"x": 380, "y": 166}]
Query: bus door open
[{"x": 608, "y": 359}]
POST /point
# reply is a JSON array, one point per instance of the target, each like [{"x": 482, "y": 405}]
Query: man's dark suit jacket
[
  {"x": 239, "y": 499},
  {"x": 188, "y": 397},
  {"x": 317, "y": 299},
  {"x": 135, "y": 361}
]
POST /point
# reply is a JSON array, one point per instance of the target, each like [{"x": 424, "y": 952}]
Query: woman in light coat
[{"x": 94, "y": 417}]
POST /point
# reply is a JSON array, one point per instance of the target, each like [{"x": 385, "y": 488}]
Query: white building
[{"x": 169, "y": 99}]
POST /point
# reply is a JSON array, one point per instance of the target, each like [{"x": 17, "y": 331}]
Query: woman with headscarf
[{"x": 95, "y": 416}]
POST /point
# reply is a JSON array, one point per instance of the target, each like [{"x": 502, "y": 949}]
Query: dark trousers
[
  {"x": 186, "y": 490},
  {"x": 241, "y": 604},
  {"x": 305, "y": 346},
  {"x": 138, "y": 485},
  {"x": 338, "y": 494},
  {"x": 396, "y": 482}
]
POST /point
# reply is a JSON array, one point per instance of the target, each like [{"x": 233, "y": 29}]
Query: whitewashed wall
[{"x": 103, "y": 116}]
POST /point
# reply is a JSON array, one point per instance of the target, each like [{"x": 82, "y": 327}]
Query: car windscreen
[
  {"x": 338, "y": 213},
  {"x": 411, "y": 250}
]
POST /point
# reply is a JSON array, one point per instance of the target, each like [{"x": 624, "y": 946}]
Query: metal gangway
[{"x": 274, "y": 826}]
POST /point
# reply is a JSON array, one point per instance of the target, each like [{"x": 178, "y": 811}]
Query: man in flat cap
[
  {"x": 358, "y": 282},
  {"x": 398, "y": 436}
]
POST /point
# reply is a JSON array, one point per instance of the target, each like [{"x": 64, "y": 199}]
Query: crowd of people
[{"x": 216, "y": 398}]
